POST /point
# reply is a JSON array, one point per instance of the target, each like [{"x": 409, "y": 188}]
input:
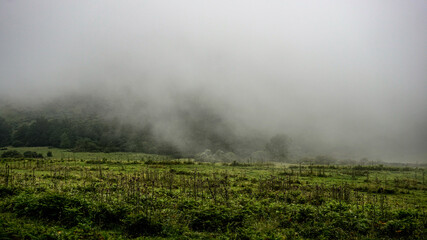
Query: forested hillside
[{"x": 86, "y": 126}]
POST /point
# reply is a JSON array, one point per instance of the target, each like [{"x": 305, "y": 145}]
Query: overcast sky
[{"x": 349, "y": 75}]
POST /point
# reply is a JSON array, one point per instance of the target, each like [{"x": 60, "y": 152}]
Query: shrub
[
  {"x": 11, "y": 228},
  {"x": 106, "y": 216},
  {"x": 141, "y": 225},
  {"x": 68, "y": 211},
  {"x": 11, "y": 154},
  {"x": 399, "y": 228},
  {"x": 215, "y": 219},
  {"x": 8, "y": 191},
  {"x": 83, "y": 231},
  {"x": 304, "y": 213},
  {"x": 30, "y": 154}
]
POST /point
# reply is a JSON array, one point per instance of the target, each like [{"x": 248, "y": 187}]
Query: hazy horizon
[{"x": 345, "y": 78}]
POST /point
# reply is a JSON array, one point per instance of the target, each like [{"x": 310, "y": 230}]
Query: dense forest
[
  {"x": 84, "y": 125},
  {"x": 86, "y": 135},
  {"x": 91, "y": 131},
  {"x": 81, "y": 135}
]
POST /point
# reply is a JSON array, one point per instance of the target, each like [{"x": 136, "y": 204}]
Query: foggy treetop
[{"x": 338, "y": 76}]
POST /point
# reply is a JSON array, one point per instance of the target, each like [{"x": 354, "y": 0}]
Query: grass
[{"x": 135, "y": 195}]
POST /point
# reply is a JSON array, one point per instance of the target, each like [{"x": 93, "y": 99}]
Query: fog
[{"x": 342, "y": 78}]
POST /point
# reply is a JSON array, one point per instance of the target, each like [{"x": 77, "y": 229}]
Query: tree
[
  {"x": 324, "y": 160},
  {"x": 38, "y": 132},
  {"x": 278, "y": 147},
  {"x": 19, "y": 137},
  {"x": 5, "y": 133},
  {"x": 86, "y": 145},
  {"x": 65, "y": 141}
]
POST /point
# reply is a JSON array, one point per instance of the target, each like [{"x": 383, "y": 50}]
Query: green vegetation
[
  {"x": 91, "y": 131},
  {"x": 133, "y": 195},
  {"x": 84, "y": 134}
]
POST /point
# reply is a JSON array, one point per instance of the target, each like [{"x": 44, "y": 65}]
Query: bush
[
  {"x": 106, "y": 216},
  {"x": 11, "y": 154},
  {"x": 30, "y": 154},
  {"x": 141, "y": 225},
  {"x": 83, "y": 231},
  {"x": 399, "y": 228},
  {"x": 11, "y": 228},
  {"x": 215, "y": 219},
  {"x": 68, "y": 211},
  {"x": 304, "y": 213},
  {"x": 8, "y": 191}
]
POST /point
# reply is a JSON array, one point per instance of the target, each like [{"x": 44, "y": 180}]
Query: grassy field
[{"x": 135, "y": 195}]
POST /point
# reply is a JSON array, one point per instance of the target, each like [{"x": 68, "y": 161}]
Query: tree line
[
  {"x": 101, "y": 135},
  {"x": 82, "y": 135}
]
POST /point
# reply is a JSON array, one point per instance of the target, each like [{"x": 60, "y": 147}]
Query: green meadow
[{"x": 81, "y": 195}]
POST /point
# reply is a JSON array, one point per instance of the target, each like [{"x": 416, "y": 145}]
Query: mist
[{"x": 342, "y": 78}]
